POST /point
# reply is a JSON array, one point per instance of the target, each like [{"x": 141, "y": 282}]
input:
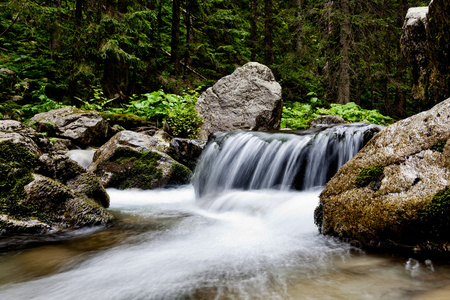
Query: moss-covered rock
[
  {"x": 134, "y": 160},
  {"x": 125, "y": 121},
  {"x": 373, "y": 174},
  {"x": 33, "y": 203},
  {"x": 379, "y": 196},
  {"x": 435, "y": 217}
]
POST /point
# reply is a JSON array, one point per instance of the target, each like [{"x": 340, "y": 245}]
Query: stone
[
  {"x": 62, "y": 206},
  {"x": 415, "y": 48},
  {"x": 249, "y": 98},
  {"x": 425, "y": 43},
  {"x": 136, "y": 160},
  {"x": 327, "y": 120},
  {"x": 411, "y": 165},
  {"x": 83, "y": 127},
  {"x": 68, "y": 172},
  {"x": 187, "y": 151}
]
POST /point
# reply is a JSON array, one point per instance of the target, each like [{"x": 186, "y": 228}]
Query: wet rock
[
  {"x": 250, "y": 98},
  {"x": 410, "y": 165},
  {"x": 61, "y": 206},
  {"x": 83, "y": 127},
  {"x": 135, "y": 160},
  {"x": 187, "y": 151},
  {"x": 34, "y": 203},
  {"x": 68, "y": 172},
  {"x": 327, "y": 120}
]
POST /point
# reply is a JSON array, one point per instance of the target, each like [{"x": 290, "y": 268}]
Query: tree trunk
[
  {"x": 175, "y": 45},
  {"x": 79, "y": 10},
  {"x": 253, "y": 29},
  {"x": 189, "y": 34},
  {"x": 299, "y": 43},
  {"x": 268, "y": 37},
  {"x": 344, "y": 63}
]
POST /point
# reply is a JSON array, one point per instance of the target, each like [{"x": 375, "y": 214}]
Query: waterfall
[{"x": 293, "y": 160}]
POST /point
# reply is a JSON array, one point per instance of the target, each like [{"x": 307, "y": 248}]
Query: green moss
[
  {"x": 439, "y": 146},
  {"x": 135, "y": 169},
  {"x": 126, "y": 121},
  {"x": 16, "y": 167},
  {"x": 179, "y": 174},
  {"x": 373, "y": 174},
  {"x": 435, "y": 217}
]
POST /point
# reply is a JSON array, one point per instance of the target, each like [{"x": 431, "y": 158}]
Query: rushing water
[{"x": 237, "y": 243}]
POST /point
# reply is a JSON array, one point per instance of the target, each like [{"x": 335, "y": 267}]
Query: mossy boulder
[
  {"x": 379, "y": 197},
  {"x": 85, "y": 128},
  {"x": 135, "y": 160},
  {"x": 34, "y": 203}
]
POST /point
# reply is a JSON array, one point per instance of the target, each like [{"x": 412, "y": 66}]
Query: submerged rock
[
  {"x": 83, "y": 127},
  {"x": 250, "y": 98},
  {"x": 393, "y": 190},
  {"x": 135, "y": 160}
]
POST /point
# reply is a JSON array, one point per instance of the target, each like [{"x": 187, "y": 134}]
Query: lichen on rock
[{"x": 406, "y": 162}]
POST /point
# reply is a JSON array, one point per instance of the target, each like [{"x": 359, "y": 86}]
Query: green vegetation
[
  {"x": 16, "y": 167},
  {"x": 435, "y": 217},
  {"x": 98, "y": 55},
  {"x": 134, "y": 169},
  {"x": 439, "y": 146},
  {"x": 297, "y": 115},
  {"x": 370, "y": 174}
]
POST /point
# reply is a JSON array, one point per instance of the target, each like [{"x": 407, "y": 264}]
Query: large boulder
[
  {"x": 250, "y": 98},
  {"x": 396, "y": 189},
  {"x": 135, "y": 160},
  {"x": 425, "y": 43},
  {"x": 86, "y": 128},
  {"x": 43, "y": 192}
]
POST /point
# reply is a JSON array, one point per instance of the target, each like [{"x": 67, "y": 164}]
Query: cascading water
[
  {"x": 250, "y": 236},
  {"x": 282, "y": 161}
]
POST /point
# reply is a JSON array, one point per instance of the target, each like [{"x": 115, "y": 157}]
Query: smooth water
[
  {"x": 282, "y": 161},
  {"x": 242, "y": 237},
  {"x": 243, "y": 245}
]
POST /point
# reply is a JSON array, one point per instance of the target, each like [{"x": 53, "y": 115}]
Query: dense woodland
[{"x": 73, "y": 52}]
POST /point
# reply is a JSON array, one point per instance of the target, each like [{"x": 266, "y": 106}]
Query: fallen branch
[{"x": 10, "y": 25}]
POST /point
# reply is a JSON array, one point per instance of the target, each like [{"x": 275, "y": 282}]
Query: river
[{"x": 229, "y": 242}]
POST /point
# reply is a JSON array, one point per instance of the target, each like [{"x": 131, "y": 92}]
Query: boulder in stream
[
  {"x": 136, "y": 160},
  {"x": 250, "y": 98},
  {"x": 45, "y": 192},
  {"x": 396, "y": 189}
]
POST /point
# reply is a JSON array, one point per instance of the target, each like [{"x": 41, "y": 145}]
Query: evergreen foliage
[{"x": 69, "y": 52}]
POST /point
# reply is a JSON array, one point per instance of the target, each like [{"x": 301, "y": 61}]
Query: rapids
[{"x": 237, "y": 239}]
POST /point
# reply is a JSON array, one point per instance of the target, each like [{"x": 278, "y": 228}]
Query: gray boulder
[
  {"x": 135, "y": 160},
  {"x": 425, "y": 42},
  {"x": 396, "y": 189},
  {"x": 327, "y": 120},
  {"x": 83, "y": 127},
  {"x": 250, "y": 98}
]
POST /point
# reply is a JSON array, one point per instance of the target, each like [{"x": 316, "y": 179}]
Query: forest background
[{"x": 112, "y": 53}]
